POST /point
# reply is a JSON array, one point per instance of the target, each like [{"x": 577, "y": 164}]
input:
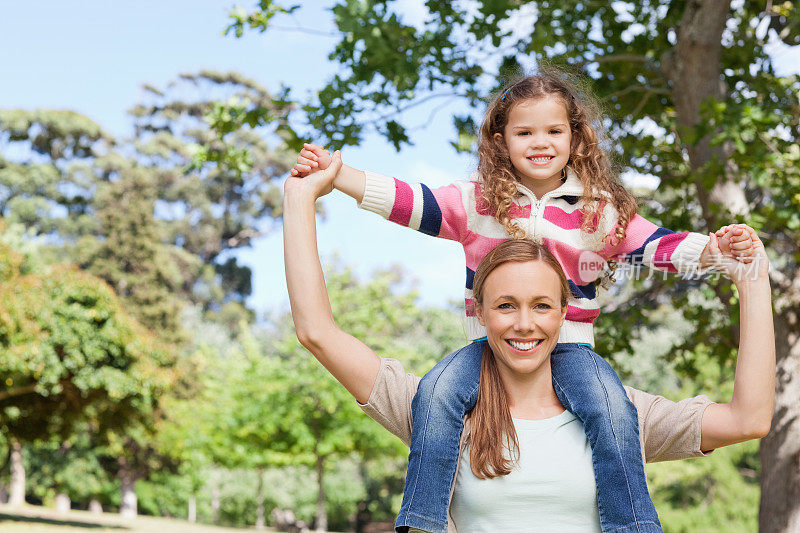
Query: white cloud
[
  {"x": 413, "y": 12},
  {"x": 785, "y": 57}
]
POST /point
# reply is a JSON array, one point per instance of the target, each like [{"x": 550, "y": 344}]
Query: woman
[{"x": 520, "y": 443}]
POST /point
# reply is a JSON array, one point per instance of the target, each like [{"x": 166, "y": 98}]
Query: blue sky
[{"x": 92, "y": 56}]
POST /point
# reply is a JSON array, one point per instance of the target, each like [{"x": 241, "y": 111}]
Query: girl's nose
[{"x": 539, "y": 140}]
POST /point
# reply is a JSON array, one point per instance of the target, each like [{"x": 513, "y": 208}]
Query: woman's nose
[{"x": 525, "y": 321}]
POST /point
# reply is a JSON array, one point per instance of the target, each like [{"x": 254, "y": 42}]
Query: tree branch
[
  {"x": 301, "y": 29},
  {"x": 18, "y": 391},
  {"x": 639, "y": 88},
  {"x": 27, "y": 389},
  {"x": 631, "y": 58},
  {"x": 399, "y": 110}
]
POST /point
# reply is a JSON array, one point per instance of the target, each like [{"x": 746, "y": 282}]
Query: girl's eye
[
  {"x": 521, "y": 133},
  {"x": 555, "y": 132}
]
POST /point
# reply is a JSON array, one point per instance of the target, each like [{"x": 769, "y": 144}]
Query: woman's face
[{"x": 522, "y": 313}]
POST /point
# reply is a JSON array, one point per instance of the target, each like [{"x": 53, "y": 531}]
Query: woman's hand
[{"x": 317, "y": 183}]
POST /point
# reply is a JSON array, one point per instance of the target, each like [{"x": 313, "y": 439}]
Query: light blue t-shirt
[{"x": 550, "y": 489}]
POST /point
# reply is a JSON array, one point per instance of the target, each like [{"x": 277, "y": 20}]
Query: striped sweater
[{"x": 460, "y": 213}]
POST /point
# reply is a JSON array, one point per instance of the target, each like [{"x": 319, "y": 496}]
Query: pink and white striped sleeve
[
  {"x": 647, "y": 244},
  {"x": 438, "y": 212}
]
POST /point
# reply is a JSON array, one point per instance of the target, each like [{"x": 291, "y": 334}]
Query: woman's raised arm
[
  {"x": 749, "y": 413},
  {"x": 348, "y": 359}
]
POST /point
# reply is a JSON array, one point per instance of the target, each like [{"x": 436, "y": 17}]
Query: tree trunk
[
  {"x": 780, "y": 450},
  {"x": 260, "y": 522},
  {"x": 322, "y": 513},
  {"x": 63, "y": 503},
  {"x": 192, "y": 512},
  {"x": 17, "y": 485},
  {"x": 362, "y": 517},
  {"x": 95, "y": 507},
  {"x": 695, "y": 70},
  {"x": 3, "y": 493},
  {"x": 215, "y": 504},
  {"x": 127, "y": 481}
]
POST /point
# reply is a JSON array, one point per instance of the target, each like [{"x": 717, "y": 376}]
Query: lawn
[{"x": 34, "y": 519}]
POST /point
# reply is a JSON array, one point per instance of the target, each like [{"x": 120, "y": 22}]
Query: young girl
[{"x": 542, "y": 175}]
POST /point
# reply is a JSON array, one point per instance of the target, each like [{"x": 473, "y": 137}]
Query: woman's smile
[{"x": 525, "y": 347}]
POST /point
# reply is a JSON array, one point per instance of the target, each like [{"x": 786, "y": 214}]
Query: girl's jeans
[{"x": 586, "y": 385}]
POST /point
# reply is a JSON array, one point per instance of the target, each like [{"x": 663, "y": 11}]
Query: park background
[{"x": 147, "y": 360}]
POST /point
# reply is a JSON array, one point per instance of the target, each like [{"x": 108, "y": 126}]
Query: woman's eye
[
  {"x": 505, "y": 306},
  {"x": 543, "y": 306}
]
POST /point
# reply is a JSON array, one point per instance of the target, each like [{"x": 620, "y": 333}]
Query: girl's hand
[
  {"x": 756, "y": 269},
  {"x": 312, "y": 156},
  {"x": 737, "y": 241},
  {"x": 317, "y": 183}
]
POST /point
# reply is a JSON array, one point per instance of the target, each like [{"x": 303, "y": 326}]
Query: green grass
[{"x": 34, "y": 519}]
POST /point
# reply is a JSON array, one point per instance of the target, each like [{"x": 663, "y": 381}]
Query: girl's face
[
  {"x": 538, "y": 139},
  {"x": 522, "y": 313}
]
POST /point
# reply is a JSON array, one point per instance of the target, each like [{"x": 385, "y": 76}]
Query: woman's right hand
[{"x": 317, "y": 183}]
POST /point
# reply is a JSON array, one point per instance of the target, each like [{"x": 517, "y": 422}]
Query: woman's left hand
[{"x": 317, "y": 183}]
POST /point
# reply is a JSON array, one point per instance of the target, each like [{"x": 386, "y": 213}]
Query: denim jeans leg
[
  {"x": 444, "y": 396},
  {"x": 588, "y": 387}
]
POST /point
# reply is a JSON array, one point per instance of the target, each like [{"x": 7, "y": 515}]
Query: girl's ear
[{"x": 497, "y": 136}]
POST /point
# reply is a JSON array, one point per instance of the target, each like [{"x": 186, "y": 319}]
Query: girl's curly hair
[{"x": 590, "y": 163}]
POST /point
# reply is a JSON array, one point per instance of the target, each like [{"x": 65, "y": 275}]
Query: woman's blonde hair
[
  {"x": 589, "y": 162},
  {"x": 491, "y": 427}
]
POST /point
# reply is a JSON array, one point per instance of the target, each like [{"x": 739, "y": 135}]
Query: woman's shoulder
[{"x": 389, "y": 403}]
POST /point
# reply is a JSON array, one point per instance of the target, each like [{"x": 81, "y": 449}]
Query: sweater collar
[{"x": 572, "y": 186}]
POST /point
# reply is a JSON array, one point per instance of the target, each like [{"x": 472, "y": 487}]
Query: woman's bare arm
[
  {"x": 749, "y": 413},
  {"x": 348, "y": 359}
]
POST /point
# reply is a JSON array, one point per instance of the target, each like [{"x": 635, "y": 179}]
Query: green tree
[
  {"x": 45, "y": 181},
  {"x": 70, "y": 354},
  {"x": 691, "y": 96},
  {"x": 216, "y": 144},
  {"x": 71, "y": 467},
  {"x": 205, "y": 151},
  {"x": 66, "y": 344},
  {"x": 273, "y": 404},
  {"x": 130, "y": 254}
]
